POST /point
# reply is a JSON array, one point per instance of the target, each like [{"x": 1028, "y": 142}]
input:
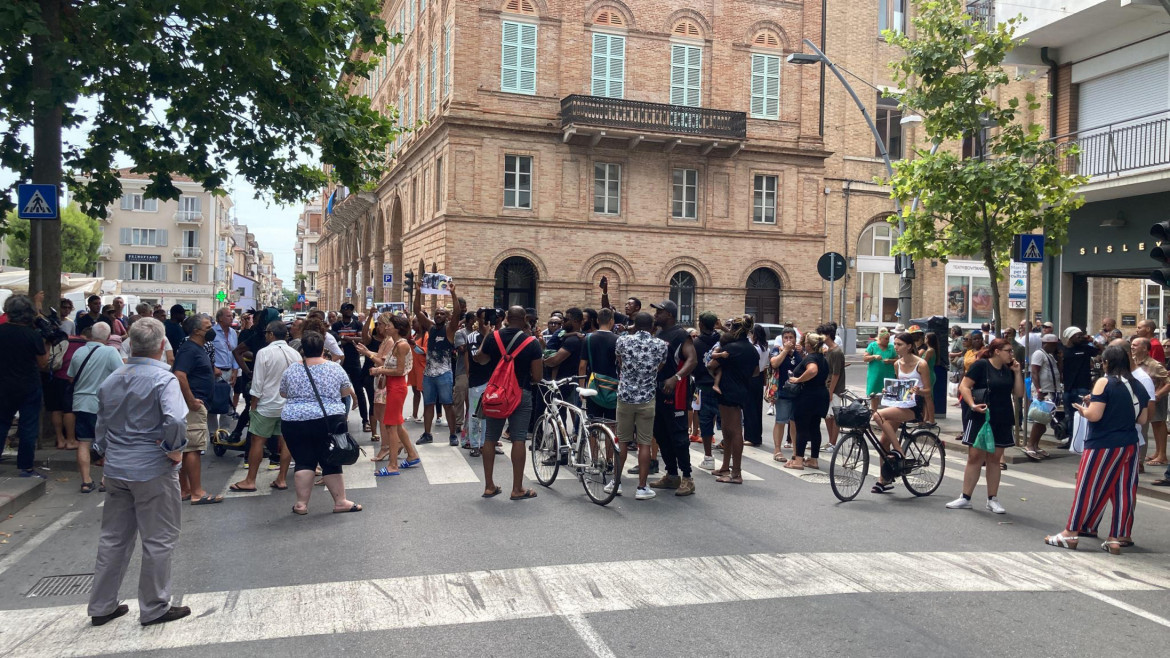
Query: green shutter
[
  {"x": 686, "y": 67},
  {"x": 609, "y": 65},
  {"x": 518, "y": 58},
  {"x": 765, "y": 87}
]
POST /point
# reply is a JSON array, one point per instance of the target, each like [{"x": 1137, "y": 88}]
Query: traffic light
[
  {"x": 1161, "y": 253},
  {"x": 408, "y": 283}
]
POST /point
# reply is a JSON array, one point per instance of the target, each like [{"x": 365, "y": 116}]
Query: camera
[{"x": 50, "y": 328}]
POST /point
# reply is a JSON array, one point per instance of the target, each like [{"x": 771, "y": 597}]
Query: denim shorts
[
  {"x": 784, "y": 409},
  {"x": 439, "y": 389},
  {"x": 708, "y": 410}
]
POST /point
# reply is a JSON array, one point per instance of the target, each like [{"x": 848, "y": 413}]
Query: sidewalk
[{"x": 16, "y": 492}]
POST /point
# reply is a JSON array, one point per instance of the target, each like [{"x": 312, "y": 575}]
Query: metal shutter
[{"x": 1145, "y": 89}]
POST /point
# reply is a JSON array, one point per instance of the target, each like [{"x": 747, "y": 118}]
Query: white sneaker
[
  {"x": 440, "y": 421},
  {"x": 994, "y": 506},
  {"x": 771, "y": 411},
  {"x": 609, "y": 487},
  {"x": 960, "y": 503},
  {"x": 708, "y": 464},
  {"x": 644, "y": 493}
]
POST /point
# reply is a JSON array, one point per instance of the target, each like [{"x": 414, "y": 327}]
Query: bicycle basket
[{"x": 854, "y": 415}]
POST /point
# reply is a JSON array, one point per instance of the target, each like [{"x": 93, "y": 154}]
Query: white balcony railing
[
  {"x": 188, "y": 253},
  {"x": 189, "y": 217},
  {"x": 105, "y": 251}
]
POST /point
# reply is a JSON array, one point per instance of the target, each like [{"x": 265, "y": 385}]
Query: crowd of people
[{"x": 143, "y": 394}]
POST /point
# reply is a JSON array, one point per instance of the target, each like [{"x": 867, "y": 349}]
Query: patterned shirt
[
  {"x": 641, "y": 355},
  {"x": 301, "y": 403}
]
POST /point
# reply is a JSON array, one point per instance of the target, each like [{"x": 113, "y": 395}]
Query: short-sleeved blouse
[{"x": 301, "y": 403}]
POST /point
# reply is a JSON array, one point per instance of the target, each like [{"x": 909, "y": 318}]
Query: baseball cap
[
  {"x": 975, "y": 333},
  {"x": 1048, "y": 324},
  {"x": 1072, "y": 331},
  {"x": 668, "y": 306},
  {"x": 1049, "y": 338}
]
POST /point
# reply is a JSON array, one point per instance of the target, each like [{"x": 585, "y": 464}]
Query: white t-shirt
[
  {"x": 1148, "y": 383},
  {"x": 1048, "y": 381}
]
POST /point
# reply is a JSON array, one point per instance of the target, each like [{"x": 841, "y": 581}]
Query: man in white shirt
[{"x": 264, "y": 418}]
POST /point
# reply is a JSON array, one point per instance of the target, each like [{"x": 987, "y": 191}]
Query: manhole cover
[
  {"x": 80, "y": 583},
  {"x": 816, "y": 478}
]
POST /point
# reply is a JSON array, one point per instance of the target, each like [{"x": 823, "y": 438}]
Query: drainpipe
[
  {"x": 1052, "y": 85},
  {"x": 845, "y": 283},
  {"x": 824, "y": 35},
  {"x": 1050, "y": 303}
]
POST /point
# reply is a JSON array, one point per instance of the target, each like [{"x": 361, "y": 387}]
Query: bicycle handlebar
[{"x": 567, "y": 381}]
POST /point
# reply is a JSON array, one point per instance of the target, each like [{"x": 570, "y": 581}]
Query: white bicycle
[{"x": 565, "y": 435}]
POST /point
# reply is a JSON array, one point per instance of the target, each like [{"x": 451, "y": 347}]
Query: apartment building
[
  {"x": 164, "y": 252},
  {"x": 671, "y": 150},
  {"x": 307, "y": 254}
]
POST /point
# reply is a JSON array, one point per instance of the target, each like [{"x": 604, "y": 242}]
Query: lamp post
[{"x": 906, "y": 266}]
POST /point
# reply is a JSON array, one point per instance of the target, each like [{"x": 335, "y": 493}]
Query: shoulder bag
[
  {"x": 605, "y": 385},
  {"x": 70, "y": 385},
  {"x": 343, "y": 449}
]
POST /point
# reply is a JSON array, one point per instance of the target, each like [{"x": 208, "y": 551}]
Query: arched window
[
  {"x": 609, "y": 17},
  {"x": 766, "y": 39},
  {"x": 520, "y": 7},
  {"x": 682, "y": 292},
  {"x": 877, "y": 285},
  {"x": 515, "y": 283},
  {"x": 763, "y": 296},
  {"x": 686, "y": 28}
]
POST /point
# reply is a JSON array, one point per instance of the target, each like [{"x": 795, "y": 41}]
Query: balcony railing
[
  {"x": 1120, "y": 147},
  {"x": 189, "y": 217},
  {"x": 104, "y": 251},
  {"x": 618, "y": 113},
  {"x": 188, "y": 253},
  {"x": 982, "y": 12}
]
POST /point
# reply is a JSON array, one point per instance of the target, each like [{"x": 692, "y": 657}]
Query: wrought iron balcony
[
  {"x": 599, "y": 117},
  {"x": 1118, "y": 148},
  {"x": 189, "y": 217},
  {"x": 982, "y": 12},
  {"x": 188, "y": 253}
]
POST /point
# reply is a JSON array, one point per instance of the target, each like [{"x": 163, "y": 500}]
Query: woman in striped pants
[{"x": 1106, "y": 471}]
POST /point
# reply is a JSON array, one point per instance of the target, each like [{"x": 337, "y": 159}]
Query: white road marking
[
  {"x": 443, "y": 464},
  {"x": 589, "y": 636},
  {"x": 573, "y": 591},
  {"x": 36, "y": 540},
  {"x": 264, "y": 480},
  {"x": 748, "y": 477},
  {"x": 1132, "y": 609}
]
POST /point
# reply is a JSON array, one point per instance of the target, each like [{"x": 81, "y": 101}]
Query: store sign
[
  {"x": 153, "y": 288},
  {"x": 1018, "y": 286},
  {"x": 143, "y": 258}
]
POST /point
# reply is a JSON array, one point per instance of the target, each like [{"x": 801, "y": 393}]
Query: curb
[{"x": 16, "y": 493}]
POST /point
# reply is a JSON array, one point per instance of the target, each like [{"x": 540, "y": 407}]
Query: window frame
[
  {"x": 676, "y": 293},
  {"x": 888, "y": 120},
  {"x": 607, "y": 180},
  {"x": 183, "y": 274},
  {"x": 138, "y": 202},
  {"x": 686, "y": 66},
  {"x": 762, "y": 206},
  {"x": 675, "y": 199},
  {"x": 608, "y": 80},
  {"x": 889, "y": 16},
  {"x": 517, "y": 66},
  {"x": 764, "y": 97},
  {"x": 147, "y": 270},
  {"x": 448, "y": 57},
  {"x": 518, "y": 174},
  {"x": 137, "y": 236}
]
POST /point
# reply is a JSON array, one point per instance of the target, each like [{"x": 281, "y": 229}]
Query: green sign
[{"x": 220, "y": 296}]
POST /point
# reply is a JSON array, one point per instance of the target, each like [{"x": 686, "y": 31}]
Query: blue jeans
[
  {"x": 30, "y": 424},
  {"x": 476, "y": 426}
]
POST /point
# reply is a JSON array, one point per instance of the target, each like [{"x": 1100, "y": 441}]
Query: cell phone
[{"x": 604, "y": 283}]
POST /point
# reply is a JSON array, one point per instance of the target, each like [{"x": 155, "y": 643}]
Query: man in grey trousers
[{"x": 141, "y": 432}]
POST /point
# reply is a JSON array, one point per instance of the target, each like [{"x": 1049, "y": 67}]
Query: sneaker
[
  {"x": 959, "y": 503},
  {"x": 273, "y": 466},
  {"x": 667, "y": 481},
  {"x": 994, "y": 506},
  {"x": 475, "y": 453},
  {"x": 644, "y": 493},
  {"x": 708, "y": 464},
  {"x": 466, "y": 445},
  {"x": 771, "y": 411},
  {"x": 31, "y": 473},
  {"x": 652, "y": 471},
  {"x": 425, "y": 438},
  {"x": 416, "y": 419},
  {"x": 453, "y": 440},
  {"x": 686, "y": 487},
  {"x": 609, "y": 487},
  {"x": 440, "y": 422}
]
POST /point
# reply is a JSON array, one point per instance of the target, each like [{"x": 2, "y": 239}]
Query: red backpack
[{"x": 502, "y": 394}]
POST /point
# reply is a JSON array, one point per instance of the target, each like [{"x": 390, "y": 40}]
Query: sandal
[
  {"x": 528, "y": 493},
  {"x": 722, "y": 472},
  {"x": 1002, "y": 466},
  {"x": 1164, "y": 482},
  {"x": 352, "y": 508},
  {"x": 730, "y": 479},
  {"x": 1060, "y": 541},
  {"x": 278, "y": 487},
  {"x": 208, "y": 500},
  {"x": 384, "y": 472},
  {"x": 1155, "y": 462},
  {"x": 1043, "y": 453},
  {"x": 1112, "y": 547},
  {"x": 493, "y": 493},
  {"x": 300, "y": 512},
  {"x": 779, "y": 458},
  {"x": 1032, "y": 454},
  {"x": 795, "y": 465},
  {"x": 812, "y": 463},
  {"x": 366, "y": 427},
  {"x": 882, "y": 487},
  {"x": 1125, "y": 543},
  {"x": 87, "y": 487}
]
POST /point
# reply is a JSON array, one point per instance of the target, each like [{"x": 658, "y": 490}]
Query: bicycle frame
[{"x": 554, "y": 406}]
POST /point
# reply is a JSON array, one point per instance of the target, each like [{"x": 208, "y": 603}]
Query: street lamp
[{"x": 906, "y": 266}]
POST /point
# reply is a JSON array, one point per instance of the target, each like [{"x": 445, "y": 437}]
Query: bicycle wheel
[
  {"x": 592, "y": 469},
  {"x": 849, "y": 466},
  {"x": 545, "y": 440},
  {"x": 925, "y": 463}
]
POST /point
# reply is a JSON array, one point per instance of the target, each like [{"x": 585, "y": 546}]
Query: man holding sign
[{"x": 438, "y": 376}]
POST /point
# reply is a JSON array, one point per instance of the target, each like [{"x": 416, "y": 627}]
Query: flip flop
[
  {"x": 186, "y": 498},
  {"x": 1043, "y": 453},
  {"x": 278, "y": 487},
  {"x": 208, "y": 500},
  {"x": 384, "y": 472},
  {"x": 409, "y": 463},
  {"x": 237, "y": 487},
  {"x": 779, "y": 458},
  {"x": 495, "y": 492},
  {"x": 1155, "y": 462},
  {"x": 299, "y": 512},
  {"x": 528, "y": 493},
  {"x": 1165, "y": 482},
  {"x": 352, "y": 508},
  {"x": 1034, "y": 455}
]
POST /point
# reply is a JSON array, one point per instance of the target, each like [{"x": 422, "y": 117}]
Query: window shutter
[
  {"x": 123, "y": 270},
  {"x": 686, "y": 63},
  {"x": 510, "y": 57},
  {"x": 528, "y": 59},
  {"x": 600, "y": 65},
  {"x": 434, "y": 76},
  {"x": 123, "y": 236},
  {"x": 765, "y": 102},
  {"x": 160, "y": 272},
  {"x": 194, "y": 275},
  {"x": 757, "y": 104},
  {"x": 127, "y": 202},
  {"x": 447, "y": 61},
  {"x": 609, "y": 55}
]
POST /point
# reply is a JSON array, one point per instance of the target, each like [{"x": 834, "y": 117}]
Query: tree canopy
[
  {"x": 80, "y": 239},
  {"x": 1013, "y": 183}
]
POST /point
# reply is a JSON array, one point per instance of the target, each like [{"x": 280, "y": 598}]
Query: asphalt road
[{"x": 773, "y": 567}]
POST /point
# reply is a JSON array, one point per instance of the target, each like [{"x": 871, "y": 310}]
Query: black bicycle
[{"x": 920, "y": 466}]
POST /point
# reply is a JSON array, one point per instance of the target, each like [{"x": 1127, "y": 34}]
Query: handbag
[
  {"x": 70, "y": 385},
  {"x": 1040, "y": 411},
  {"x": 343, "y": 449},
  {"x": 792, "y": 389},
  {"x": 221, "y": 397},
  {"x": 605, "y": 385},
  {"x": 985, "y": 439},
  {"x": 1080, "y": 433}
]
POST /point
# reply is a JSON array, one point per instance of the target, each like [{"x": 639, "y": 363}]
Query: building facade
[
  {"x": 307, "y": 253},
  {"x": 164, "y": 252},
  {"x": 672, "y": 151}
]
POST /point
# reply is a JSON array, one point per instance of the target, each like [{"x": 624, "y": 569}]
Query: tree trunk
[{"x": 48, "y": 111}]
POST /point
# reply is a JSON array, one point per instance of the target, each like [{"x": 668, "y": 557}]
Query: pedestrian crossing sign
[
  {"x": 1028, "y": 248},
  {"x": 36, "y": 201}
]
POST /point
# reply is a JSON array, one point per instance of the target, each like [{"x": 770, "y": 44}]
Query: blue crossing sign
[
  {"x": 1028, "y": 248},
  {"x": 36, "y": 202}
]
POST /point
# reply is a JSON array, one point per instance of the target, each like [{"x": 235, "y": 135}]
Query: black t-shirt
[
  {"x": 600, "y": 350},
  {"x": 737, "y": 369},
  {"x": 477, "y": 375},
  {"x": 439, "y": 349},
  {"x": 817, "y": 385},
  {"x": 787, "y": 367},
  {"x": 352, "y": 328},
  {"x": 175, "y": 334},
  {"x": 999, "y": 383},
  {"x": 84, "y": 321},
  {"x": 193, "y": 360},
  {"x": 523, "y": 360},
  {"x": 20, "y": 374},
  {"x": 703, "y": 344},
  {"x": 675, "y": 337},
  {"x": 572, "y": 363},
  {"x": 1078, "y": 367}
]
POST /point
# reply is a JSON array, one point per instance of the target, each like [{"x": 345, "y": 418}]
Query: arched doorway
[
  {"x": 515, "y": 283},
  {"x": 682, "y": 292},
  {"x": 763, "y": 296},
  {"x": 394, "y": 251}
]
